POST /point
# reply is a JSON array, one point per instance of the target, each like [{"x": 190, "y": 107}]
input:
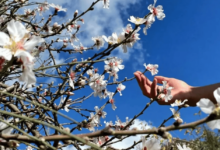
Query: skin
[{"x": 181, "y": 90}]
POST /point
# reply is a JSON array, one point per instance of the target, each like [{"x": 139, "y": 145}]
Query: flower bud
[{"x": 75, "y": 14}]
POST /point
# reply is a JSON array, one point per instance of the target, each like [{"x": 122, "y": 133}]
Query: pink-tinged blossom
[
  {"x": 152, "y": 68},
  {"x": 57, "y": 7},
  {"x": 29, "y": 148},
  {"x": 17, "y": 45},
  {"x": 128, "y": 29},
  {"x": 82, "y": 47},
  {"x": 71, "y": 79},
  {"x": 111, "y": 100},
  {"x": 99, "y": 42},
  {"x": 179, "y": 103},
  {"x": 111, "y": 39},
  {"x": 137, "y": 21},
  {"x": 120, "y": 88},
  {"x": 90, "y": 72},
  {"x": 100, "y": 140},
  {"x": 131, "y": 40},
  {"x": 42, "y": 47},
  {"x": 108, "y": 124},
  {"x": 98, "y": 84},
  {"x": 120, "y": 125},
  {"x": 114, "y": 64},
  {"x": 156, "y": 11},
  {"x": 134, "y": 37},
  {"x": 207, "y": 106},
  {"x": 43, "y": 7},
  {"x": 182, "y": 148},
  {"x": 166, "y": 92},
  {"x": 115, "y": 75},
  {"x": 72, "y": 26},
  {"x": 149, "y": 144},
  {"x": 100, "y": 112}
]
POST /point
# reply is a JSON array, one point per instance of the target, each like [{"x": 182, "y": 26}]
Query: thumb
[{"x": 161, "y": 78}]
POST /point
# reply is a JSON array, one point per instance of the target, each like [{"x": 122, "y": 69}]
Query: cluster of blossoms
[
  {"x": 97, "y": 83},
  {"x": 112, "y": 67},
  {"x": 149, "y": 19},
  {"x": 119, "y": 125},
  {"x": 94, "y": 119}
]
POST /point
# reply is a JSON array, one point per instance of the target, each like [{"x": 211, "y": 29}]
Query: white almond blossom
[
  {"x": 120, "y": 125},
  {"x": 111, "y": 39},
  {"x": 90, "y": 72},
  {"x": 62, "y": 100},
  {"x": 57, "y": 7},
  {"x": 207, "y": 106},
  {"x": 182, "y": 148},
  {"x": 137, "y": 21},
  {"x": 176, "y": 114},
  {"x": 99, "y": 42},
  {"x": 120, "y": 88},
  {"x": 29, "y": 148},
  {"x": 17, "y": 45},
  {"x": 115, "y": 75},
  {"x": 178, "y": 103},
  {"x": 108, "y": 124},
  {"x": 114, "y": 64},
  {"x": 166, "y": 92},
  {"x": 43, "y": 7},
  {"x": 152, "y": 68},
  {"x": 71, "y": 82},
  {"x": 131, "y": 40},
  {"x": 72, "y": 26},
  {"x": 128, "y": 29},
  {"x": 121, "y": 37},
  {"x": 100, "y": 112},
  {"x": 100, "y": 140},
  {"x": 111, "y": 100},
  {"x": 98, "y": 84},
  {"x": 149, "y": 144},
  {"x": 82, "y": 47},
  {"x": 158, "y": 12}
]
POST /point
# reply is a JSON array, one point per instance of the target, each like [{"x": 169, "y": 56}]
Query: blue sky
[{"x": 185, "y": 45}]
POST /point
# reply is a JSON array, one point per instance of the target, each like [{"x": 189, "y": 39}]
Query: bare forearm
[{"x": 202, "y": 92}]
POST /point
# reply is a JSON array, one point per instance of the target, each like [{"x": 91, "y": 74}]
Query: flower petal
[
  {"x": 4, "y": 39},
  {"x": 217, "y": 95},
  {"x": 206, "y": 105},
  {"x": 215, "y": 124},
  {"x": 6, "y": 53},
  {"x": 29, "y": 45},
  {"x": 16, "y": 30}
]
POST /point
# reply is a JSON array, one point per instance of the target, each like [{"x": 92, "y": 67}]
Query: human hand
[{"x": 181, "y": 90}]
